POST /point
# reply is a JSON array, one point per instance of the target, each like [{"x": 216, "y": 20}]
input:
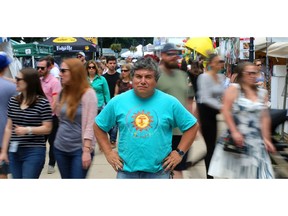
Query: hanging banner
[{"x": 244, "y": 48}]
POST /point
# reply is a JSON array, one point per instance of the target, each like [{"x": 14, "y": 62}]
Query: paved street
[{"x": 102, "y": 170}]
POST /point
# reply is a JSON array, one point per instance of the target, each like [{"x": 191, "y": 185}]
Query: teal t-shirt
[
  {"x": 145, "y": 127},
  {"x": 100, "y": 85}
]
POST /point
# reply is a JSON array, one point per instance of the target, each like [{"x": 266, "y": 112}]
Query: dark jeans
[
  {"x": 70, "y": 164},
  {"x": 113, "y": 133},
  {"x": 27, "y": 162},
  {"x": 208, "y": 122},
  {"x": 51, "y": 137}
]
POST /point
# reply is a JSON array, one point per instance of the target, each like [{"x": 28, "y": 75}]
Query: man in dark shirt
[{"x": 112, "y": 76}]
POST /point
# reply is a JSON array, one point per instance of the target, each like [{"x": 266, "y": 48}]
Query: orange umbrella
[{"x": 202, "y": 45}]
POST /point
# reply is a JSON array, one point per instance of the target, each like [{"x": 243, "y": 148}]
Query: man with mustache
[{"x": 146, "y": 117}]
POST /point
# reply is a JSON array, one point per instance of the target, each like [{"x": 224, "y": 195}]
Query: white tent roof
[
  {"x": 278, "y": 49},
  {"x": 277, "y": 46},
  {"x": 137, "y": 54}
]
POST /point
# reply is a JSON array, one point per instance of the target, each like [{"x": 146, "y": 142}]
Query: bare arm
[
  {"x": 54, "y": 102},
  {"x": 265, "y": 129},
  {"x": 186, "y": 141},
  {"x": 229, "y": 97},
  {"x": 111, "y": 156},
  {"x": 5, "y": 141},
  {"x": 44, "y": 129}
]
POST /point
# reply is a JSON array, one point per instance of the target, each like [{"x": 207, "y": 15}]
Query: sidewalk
[{"x": 100, "y": 168}]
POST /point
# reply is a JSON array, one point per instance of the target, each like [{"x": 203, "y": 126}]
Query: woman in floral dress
[{"x": 248, "y": 120}]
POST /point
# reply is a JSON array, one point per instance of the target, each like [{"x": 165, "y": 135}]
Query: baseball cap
[
  {"x": 169, "y": 47},
  {"x": 81, "y": 53},
  {"x": 4, "y": 60}
]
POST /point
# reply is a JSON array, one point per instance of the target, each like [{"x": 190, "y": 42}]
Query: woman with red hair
[{"x": 77, "y": 108}]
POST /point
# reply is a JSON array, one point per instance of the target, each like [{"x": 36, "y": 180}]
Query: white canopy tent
[
  {"x": 275, "y": 47},
  {"x": 137, "y": 54}
]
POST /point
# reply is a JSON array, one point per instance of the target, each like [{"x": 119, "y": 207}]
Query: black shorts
[{"x": 175, "y": 142}]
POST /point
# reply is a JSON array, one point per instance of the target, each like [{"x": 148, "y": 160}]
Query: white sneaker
[{"x": 50, "y": 169}]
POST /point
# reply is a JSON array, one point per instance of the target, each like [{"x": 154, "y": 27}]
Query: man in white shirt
[{"x": 53, "y": 69}]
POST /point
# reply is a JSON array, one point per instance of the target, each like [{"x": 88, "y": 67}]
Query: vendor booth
[
  {"x": 67, "y": 47},
  {"x": 28, "y": 54}
]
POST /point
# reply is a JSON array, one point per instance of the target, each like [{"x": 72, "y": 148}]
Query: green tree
[{"x": 116, "y": 47}]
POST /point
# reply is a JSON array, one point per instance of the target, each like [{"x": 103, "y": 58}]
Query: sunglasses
[
  {"x": 63, "y": 70},
  {"x": 93, "y": 67},
  {"x": 18, "y": 79},
  {"x": 79, "y": 56},
  {"x": 259, "y": 65},
  {"x": 254, "y": 73},
  {"x": 172, "y": 54},
  {"x": 124, "y": 70},
  {"x": 42, "y": 68}
]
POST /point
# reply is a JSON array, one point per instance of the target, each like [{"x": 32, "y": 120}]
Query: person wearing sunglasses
[
  {"x": 124, "y": 83},
  {"x": 247, "y": 117},
  {"x": 174, "y": 81},
  {"x": 8, "y": 89},
  {"x": 76, "y": 107},
  {"x": 260, "y": 80},
  {"x": 81, "y": 56},
  {"x": 51, "y": 87},
  {"x": 98, "y": 83},
  {"x": 29, "y": 120}
]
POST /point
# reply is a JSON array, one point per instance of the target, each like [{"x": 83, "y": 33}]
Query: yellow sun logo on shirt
[{"x": 142, "y": 121}]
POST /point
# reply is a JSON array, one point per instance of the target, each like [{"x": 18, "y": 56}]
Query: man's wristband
[{"x": 180, "y": 152}]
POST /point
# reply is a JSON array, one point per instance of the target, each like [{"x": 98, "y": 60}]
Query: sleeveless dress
[{"x": 255, "y": 163}]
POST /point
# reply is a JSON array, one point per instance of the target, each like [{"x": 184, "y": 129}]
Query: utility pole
[
  {"x": 251, "y": 50},
  {"x": 101, "y": 46},
  {"x": 143, "y": 43}
]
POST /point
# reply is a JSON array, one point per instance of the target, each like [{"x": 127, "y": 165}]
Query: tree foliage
[{"x": 116, "y": 47}]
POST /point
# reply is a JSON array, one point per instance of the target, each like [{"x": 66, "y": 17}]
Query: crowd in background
[{"x": 67, "y": 106}]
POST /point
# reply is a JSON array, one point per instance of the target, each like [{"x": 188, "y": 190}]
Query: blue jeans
[
  {"x": 143, "y": 175},
  {"x": 113, "y": 133},
  {"x": 27, "y": 162},
  {"x": 70, "y": 164}
]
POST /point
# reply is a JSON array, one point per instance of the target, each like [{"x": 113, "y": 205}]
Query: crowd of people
[{"x": 143, "y": 115}]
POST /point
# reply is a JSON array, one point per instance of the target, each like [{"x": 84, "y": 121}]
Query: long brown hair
[
  {"x": 77, "y": 86},
  {"x": 34, "y": 88},
  {"x": 240, "y": 68}
]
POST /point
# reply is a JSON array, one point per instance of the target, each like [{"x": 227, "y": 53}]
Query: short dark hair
[
  {"x": 48, "y": 61},
  {"x": 51, "y": 59},
  {"x": 111, "y": 58}
]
